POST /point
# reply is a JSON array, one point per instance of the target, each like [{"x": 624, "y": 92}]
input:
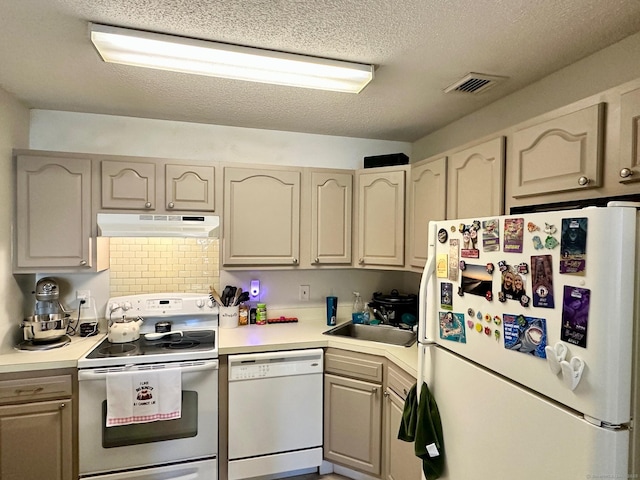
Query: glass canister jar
[{"x": 261, "y": 314}]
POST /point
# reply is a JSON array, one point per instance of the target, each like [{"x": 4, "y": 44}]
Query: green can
[{"x": 261, "y": 314}]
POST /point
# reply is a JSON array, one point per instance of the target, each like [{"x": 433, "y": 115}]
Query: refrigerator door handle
[{"x": 426, "y": 296}]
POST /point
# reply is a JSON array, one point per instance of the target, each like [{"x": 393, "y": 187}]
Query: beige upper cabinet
[
  {"x": 128, "y": 185},
  {"x": 190, "y": 188},
  {"x": 560, "y": 154},
  {"x": 427, "y": 202},
  {"x": 331, "y": 209},
  {"x": 156, "y": 186},
  {"x": 53, "y": 215},
  {"x": 381, "y": 214},
  {"x": 261, "y": 216},
  {"x": 476, "y": 181},
  {"x": 629, "y": 166}
]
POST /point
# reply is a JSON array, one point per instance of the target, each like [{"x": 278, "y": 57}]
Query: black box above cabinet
[{"x": 386, "y": 160}]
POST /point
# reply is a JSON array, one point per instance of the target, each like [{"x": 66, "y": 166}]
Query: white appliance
[
  {"x": 177, "y": 449},
  {"x": 540, "y": 385},
  {"x": 275, "y": 412},
  {"x": 153, "y": 225}
]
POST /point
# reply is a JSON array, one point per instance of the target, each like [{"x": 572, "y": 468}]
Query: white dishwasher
[{"x": 275, "y": 412}]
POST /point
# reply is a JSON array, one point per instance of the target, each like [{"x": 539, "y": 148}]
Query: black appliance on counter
[{"x": 396, "y": 308}]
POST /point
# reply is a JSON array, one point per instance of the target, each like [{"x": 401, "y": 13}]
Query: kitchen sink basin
[{"x": 374, "y": 333}]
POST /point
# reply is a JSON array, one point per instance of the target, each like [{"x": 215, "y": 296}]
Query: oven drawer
[
  {"x": 200, "y": 470},
  {"x": 35, "y": 389}
]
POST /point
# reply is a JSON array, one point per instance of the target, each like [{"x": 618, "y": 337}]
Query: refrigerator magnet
[
  {"x": 575, "y": 315},
  {"x": 452, "y": 327},
  {"x": 491, "y": 235},
  {"x": 476, "y": 280},
  {"x": 442, "y": 265},
  {"x": 542, "y": 281},
  {"x": 513, "y": 234},
  {"x": 573, "y": 246},
  {"x": 454, "y": 258},
  {"x": 446, "y": 296},
  {"x": 525, "y": 334},
  {"x": 469, "y": 241}
]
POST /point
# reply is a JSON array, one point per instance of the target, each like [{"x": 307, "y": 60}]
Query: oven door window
[{"x": 158, "y": 431}]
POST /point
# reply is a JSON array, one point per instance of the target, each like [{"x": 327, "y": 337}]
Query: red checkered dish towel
[{"x": 143, "y": 396}]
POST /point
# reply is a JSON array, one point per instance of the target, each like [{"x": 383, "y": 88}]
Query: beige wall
[
  {"x": 608, "y": 68},
  {"x": 14, "y": 133}
]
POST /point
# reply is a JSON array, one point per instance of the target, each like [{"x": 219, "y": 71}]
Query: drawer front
[
  {"x": 399, "y": 381},
  {"x": 351, "y": 364},
  {"x": 35, "y": 389}
]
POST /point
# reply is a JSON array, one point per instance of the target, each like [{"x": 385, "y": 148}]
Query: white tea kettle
[{"x": 124, "y": 330}]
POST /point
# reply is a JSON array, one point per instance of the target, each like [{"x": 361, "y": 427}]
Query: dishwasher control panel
[{"x": 277, "y": 364}]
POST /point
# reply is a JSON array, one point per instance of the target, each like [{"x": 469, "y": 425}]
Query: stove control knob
[
  {"x": 199, "y": 303},
  {"x": 126, "y": 306},
  {"x": 113, "y": 307},
  {"x": 210, "y": 303}
]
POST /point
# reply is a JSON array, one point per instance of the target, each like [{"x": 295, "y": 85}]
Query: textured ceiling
[{"x": 419, "y": 47}]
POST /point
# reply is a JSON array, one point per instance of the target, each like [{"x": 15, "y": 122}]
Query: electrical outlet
[
  {"x": 304, "y": 293},
  {"x": 83, "y": 294}
]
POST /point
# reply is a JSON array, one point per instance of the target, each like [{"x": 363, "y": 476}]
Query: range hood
[{"x": 149, "y": 225}]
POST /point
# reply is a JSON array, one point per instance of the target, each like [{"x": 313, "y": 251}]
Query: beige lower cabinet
[
  {"x": 36, "y": 428},
  {"x": 353, "y": 410},
  {"x": 399, "y": 459}
]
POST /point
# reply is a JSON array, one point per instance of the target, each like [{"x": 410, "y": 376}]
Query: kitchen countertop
[
  {"x": 63, "y": 357},
  {"x": 306, "y": 333}
]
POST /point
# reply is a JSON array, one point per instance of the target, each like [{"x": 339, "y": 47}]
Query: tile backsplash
[{"x": 158, "y": 264}]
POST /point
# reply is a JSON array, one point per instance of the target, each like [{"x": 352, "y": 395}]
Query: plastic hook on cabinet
[
  {"x": 555, "y": 355},
  {"x": 572, "y": 372}
]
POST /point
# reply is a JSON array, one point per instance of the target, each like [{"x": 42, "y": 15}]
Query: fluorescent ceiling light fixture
[{"x": 200, "y": 57}]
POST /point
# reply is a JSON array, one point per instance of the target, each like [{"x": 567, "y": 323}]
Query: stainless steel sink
[{"x": 375, "y": 333}]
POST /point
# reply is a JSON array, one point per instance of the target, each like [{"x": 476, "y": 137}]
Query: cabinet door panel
[
  {"x": 53, "y": 212},
  {"x": 400, "y": 457},
  {"x": 35, "y": 441},
  {"x": 427, "y": 202},
  {"x": 353, "y": 423},
  {"x": 476, "y": 181},
  {"x": 261, "y": 217},
  {"x": 331, "y": 206},
  {"x": 190, "y": 188},
  {"x": 381, "y": 218},
  {"x": 629, "y": 167},
  {"x": 128, "y": 185},
  {"x": 561, "y": 154}
]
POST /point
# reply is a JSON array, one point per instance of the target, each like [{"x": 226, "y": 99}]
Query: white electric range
[{"x": 185, "y": 447}]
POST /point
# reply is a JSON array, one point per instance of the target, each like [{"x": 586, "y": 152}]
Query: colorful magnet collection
[{"x": 530, "y": 285}]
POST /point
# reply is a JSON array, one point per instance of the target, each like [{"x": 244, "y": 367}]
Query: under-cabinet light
[{"x": 187, "y": 55}]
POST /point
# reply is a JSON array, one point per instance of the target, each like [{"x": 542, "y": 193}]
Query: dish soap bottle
[{"x": 359, "y": 313}]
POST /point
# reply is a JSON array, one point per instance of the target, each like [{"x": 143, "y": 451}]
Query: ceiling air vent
[{"x": 474, "y": 83}]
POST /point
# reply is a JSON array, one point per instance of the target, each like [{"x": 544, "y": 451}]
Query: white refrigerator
[{"x": 528, "y": 331}]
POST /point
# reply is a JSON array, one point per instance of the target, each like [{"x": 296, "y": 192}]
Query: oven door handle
[{"x": 101, "y": 373}]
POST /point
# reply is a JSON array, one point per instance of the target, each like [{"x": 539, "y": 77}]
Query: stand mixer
[
  {"x": 47, "y": 297},
  {"x": 47, "y": 327}
]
